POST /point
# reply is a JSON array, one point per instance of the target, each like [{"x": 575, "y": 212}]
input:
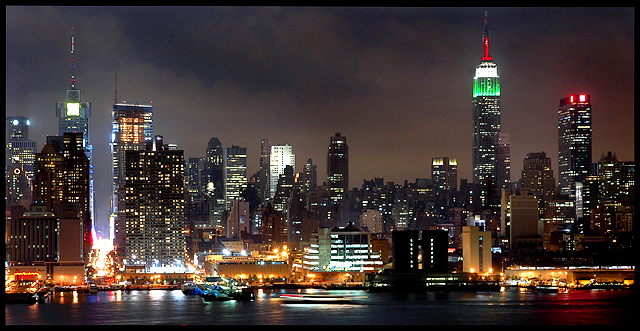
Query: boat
[
  {"x": 93, "y": 288},
  {"x": 547, "y": 288},
  {"x": 21, "y": 297},
  {"x": 321, "y": 298},
  {"x": 188, "y": 288}
]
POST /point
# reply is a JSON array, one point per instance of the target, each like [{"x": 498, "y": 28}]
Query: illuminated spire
[
  {"x": 73, "y": 64},
  {"x": 485, "y": 40}
]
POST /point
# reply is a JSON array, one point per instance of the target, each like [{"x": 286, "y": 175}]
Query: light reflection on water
[{"x": 175, "y": 308}]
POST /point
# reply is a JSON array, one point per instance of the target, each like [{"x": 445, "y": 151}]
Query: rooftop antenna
[
  {"x": 116, "y": 91},
  {"x": 485, "y": 39},
  {"x": 73, "y": 63}
]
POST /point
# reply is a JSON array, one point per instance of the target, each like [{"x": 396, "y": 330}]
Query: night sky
[{"x": 396, "y": 82}]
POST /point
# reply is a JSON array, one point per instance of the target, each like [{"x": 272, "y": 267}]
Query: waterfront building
[
  {"x": 346, "y": 249},
  {"x": 434, "y": 250},
  {"x": 476, "y": 250},
  {"x": 574, "y": 141},
  {"x": 486, "y": 125},
  {"x": 405, "y": 250},
  {"x": 153, "y": 206}
]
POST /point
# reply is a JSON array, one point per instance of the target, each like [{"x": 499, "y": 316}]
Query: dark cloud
[{"x": 395, "y": 81}]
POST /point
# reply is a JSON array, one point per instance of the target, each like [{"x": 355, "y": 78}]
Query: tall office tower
[
  {"x": 235, "y": 173},
  {"x": 610, "y": 179},
  {"x": 504, "y": 161},
  {"x": 444, "y": 174},
  {"x": 574, "y": 141},
  {"x": 486, "y": 121},
  {"x": 310, "y": 176},
  {"x": 280, "y": 157},
  {"x": 73, "y": 116},
  {"x": 62, "y": 182},
  {"x": 212, "y": 182},
  {"x": 153, "y": 206},
  {"x": 196, "y": 211},
  {"x": 19, "y": 158},
  {"x": 338, "y": 168},
  {"x": 537, "y": 177},
  {"x": 132, "y": 126},
  {"x": 263, "y": 172}
]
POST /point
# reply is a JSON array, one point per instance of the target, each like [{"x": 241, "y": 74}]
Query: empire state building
[{"x": 486, "y": 120}]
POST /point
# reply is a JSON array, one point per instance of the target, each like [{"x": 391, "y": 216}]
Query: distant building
[
  {"x": 213, "y": 181},
  {"x": 19, "y": 161},
  {"x": 338, "y": 168},
  {"x": 235, "y": 173},
  {"x": 486, "y": 126},
  {"x": 574, "y": 141},
  {"x": 280, "y": 157},
  {"x": 525, "y": 229}
]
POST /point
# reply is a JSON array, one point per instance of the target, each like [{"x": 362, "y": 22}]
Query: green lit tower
[{"x": 486, "y": 120}]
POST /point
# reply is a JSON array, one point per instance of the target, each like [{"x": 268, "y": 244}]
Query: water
[{"x": 163, "y": 307}]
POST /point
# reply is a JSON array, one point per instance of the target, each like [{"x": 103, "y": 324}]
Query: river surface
[{"x": 171, "y": 307}]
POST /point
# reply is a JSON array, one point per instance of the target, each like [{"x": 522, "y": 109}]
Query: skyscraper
[
  {"x": 213, "y": 181},
  {"x": 486, "y": 115},
  {"x": 62, "y": 182},
  {"x": 132, "y": 126},
  {"x": 444, "y": 174},
  {"x": 73, "y": 116},
  {"x": 504, "y": 161},
  {"x": 153, "y": 206},
  {"x": 280, "y": 157},
  {"x": 235, "y": 173},
  {"x": 19, "y": 158},
  {"x": 537, "y": 176},
  {"x": 338, "y": 168},
  {"x": 574, "y": 141},
  {"x": 486, "y": 119}
]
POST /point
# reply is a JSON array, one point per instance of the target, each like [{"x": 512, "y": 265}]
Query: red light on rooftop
[{"x": 582, "y": 98}]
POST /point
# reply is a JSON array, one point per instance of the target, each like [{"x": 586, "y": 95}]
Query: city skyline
[{"x": 396, "y": 81}]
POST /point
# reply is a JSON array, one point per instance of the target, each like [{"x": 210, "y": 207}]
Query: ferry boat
[{"x": 321, "y": 298}]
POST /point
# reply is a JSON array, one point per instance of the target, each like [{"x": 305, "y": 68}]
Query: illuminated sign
[{"x": 73, "y": 109}]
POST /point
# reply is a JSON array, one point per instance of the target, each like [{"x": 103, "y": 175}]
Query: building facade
[
  {"x": 153, "y": 207},
  {"x": 486, "y": 123},
  {"x": 574, "y": 141}
]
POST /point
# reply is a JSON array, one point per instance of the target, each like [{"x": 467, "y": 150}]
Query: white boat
[
  {"x": 547, "y": 288},
  {"x": 321, "y": 298},
  {"x": 93, "y": 288}
]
